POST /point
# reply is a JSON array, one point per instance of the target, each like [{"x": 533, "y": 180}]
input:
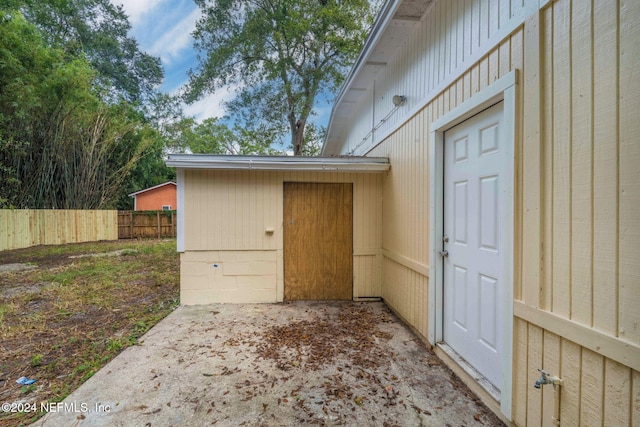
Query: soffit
[{"x": 394, "y": 25}]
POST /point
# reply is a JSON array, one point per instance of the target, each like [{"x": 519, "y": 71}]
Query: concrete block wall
[{"x": 229, "y": 276}]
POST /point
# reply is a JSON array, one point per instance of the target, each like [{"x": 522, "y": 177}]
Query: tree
[
  {"x": 61, "y": 146},
  {"x": 149, "y": 170},
  {"x": 313, "y": 138},
  {"x": 214, "y": 136},
  {"x": 161, "y": 116},
  {"x": 281, "y": 54},
  {"x": 97, "y": 31}
]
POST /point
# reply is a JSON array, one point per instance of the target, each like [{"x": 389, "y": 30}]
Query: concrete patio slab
[{"x": 312, "y": 363}]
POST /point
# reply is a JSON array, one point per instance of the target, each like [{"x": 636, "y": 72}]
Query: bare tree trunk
[{"x": 297, "y": 136}]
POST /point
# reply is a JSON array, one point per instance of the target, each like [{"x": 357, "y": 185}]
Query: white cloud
[
  {"x": 176, "y": 39},
  {"x": 210, "y": 105},
  {"x": 135, "y": 9}
]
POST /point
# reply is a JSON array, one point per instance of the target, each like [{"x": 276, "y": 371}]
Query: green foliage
[
  {"x": 73, "y": 133},
  {"x": 36, "y": 359},
  {"x": 214, "y": 136},
  {"x": 210, "y": 136},
  {"x": 97, "y": 30},
  {"x": 149, "y": 170},
  {"x": 280, "y": 55},
  {"x": 313, "y": 138},
  {"x": 61, "y": 146},
  {"x": 26, "y": 389}
]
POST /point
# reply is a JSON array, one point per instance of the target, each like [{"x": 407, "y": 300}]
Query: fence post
[
  {"x": 131, "y": 224},
  {"x": 158, "y": 218},
  {"x": 173, "y": 225}
]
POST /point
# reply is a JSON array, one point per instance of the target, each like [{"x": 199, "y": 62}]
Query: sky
[{"x": 163, "y": 28}]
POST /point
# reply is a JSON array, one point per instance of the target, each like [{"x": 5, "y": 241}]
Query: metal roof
[
  {"x": 279, "y": 163},
  {"x": 394, "y": 24}
]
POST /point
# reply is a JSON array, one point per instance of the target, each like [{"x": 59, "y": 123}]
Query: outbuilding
[
  {"x": 484, "y": 161},
  {"x": 156, "y": 198},
  {"x": 269, "y": 229}
]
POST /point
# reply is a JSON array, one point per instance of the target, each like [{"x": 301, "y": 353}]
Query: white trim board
[
  {"x": 504, "y": 90},
  {"x": 152, "y": 188},
  {"x": 279, "y": 163},
  {"x": 625, "y": 353},
  {"x": 181, "y": 210}
]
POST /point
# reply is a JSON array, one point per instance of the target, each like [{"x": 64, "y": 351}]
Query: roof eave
[
  {"x": 382, "y": 21},
  {"x": 280, "y": 163},
  {"x": 152, "y": 188}
]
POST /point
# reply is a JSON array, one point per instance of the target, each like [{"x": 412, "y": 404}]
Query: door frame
[{"x": 505, "y": 90}]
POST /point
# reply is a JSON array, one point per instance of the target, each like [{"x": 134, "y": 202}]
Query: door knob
[{"x": 444, "y": 254}]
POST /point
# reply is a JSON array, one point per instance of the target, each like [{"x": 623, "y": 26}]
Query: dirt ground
[
  {"x": 302, "y": 363},
  {"x": 65, "y": 311}
]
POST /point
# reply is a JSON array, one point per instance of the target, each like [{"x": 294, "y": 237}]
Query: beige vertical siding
[
  {"x": 577, "y": 201},
  {"x": 406, "y": 186},
  {"x": 628, "y": 190},
  {"x": 591, "y": 202},
  {"x": 406, "y": 291},
  {"x": 229, "y": 212},
  {"x": 596, "y": 390},
  {"x": 589, "y": 220}
]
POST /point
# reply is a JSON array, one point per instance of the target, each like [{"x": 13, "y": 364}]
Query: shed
[
  {"x": 269, "y": 229},
  {"x": 159, "y": 197},
  {"x": 500, "y": 217}
]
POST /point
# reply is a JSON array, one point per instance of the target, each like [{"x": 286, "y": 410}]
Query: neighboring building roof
[
  {"x": 152, "y": 188},
  {"x": 394, "y": 24},
  {"x": 279, "y": 163}
]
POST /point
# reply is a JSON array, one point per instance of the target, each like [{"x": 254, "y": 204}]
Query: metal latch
[{"x": 444, "y": 254}]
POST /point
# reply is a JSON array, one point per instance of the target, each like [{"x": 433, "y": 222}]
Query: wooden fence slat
[
  {"x": 145, "y": 224},
  {"x": 21, "y": 228}
]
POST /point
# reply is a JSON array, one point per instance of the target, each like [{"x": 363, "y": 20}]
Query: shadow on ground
[{"x": 275, "y": 365}]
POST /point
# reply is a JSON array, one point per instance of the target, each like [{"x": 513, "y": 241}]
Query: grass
[{"x": 61, "y": 322}]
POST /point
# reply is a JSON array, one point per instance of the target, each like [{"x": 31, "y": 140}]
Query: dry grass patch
[{"x": 65, "y": 319}]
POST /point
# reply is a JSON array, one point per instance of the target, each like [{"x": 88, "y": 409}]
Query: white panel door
[{"x": 475, "y": 165}]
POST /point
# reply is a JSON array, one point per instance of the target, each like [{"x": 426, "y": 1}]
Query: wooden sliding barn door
[{"x": 318, "y": 241}]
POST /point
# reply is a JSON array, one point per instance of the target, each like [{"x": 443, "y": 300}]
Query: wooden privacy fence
[
  {"x": 21, "y": 228},
  {"x": 137, "y": 224}
]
